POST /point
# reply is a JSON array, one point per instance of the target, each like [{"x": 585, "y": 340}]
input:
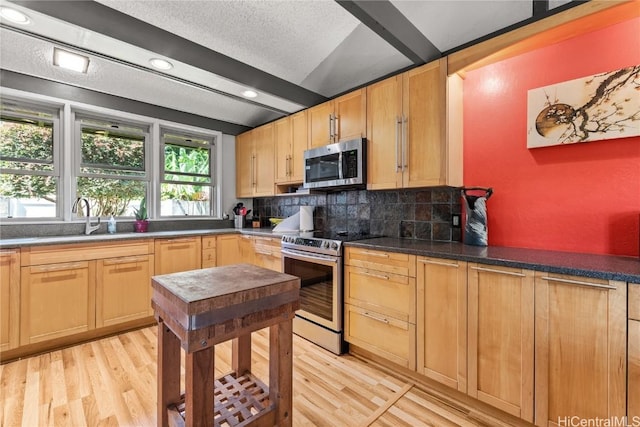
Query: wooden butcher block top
[{"x": 223, "y": 300}]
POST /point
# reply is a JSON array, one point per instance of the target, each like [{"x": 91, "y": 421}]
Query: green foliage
[{"x": 141, "y": 212}]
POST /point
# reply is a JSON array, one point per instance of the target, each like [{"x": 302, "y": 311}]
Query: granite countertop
[
  {"x": 102, "y": 237},
  {"x": 608, "y": 267}
]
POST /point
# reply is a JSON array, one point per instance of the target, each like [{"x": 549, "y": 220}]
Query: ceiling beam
[
  {"x": 110, "y": 22},
  {"x": 23, "y": 82},
  {"x": 385, "y": 19}
]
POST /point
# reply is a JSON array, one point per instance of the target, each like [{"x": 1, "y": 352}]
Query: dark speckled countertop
[{"x": 588, "y": 265}]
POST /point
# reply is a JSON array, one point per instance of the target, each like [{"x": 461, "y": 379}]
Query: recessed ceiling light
[
  {"x": 250, "y": 93},
  {"x": 70, "y": 61},
  {"x": 161, "y": 64},
  {"x": 14, "y": 16}
]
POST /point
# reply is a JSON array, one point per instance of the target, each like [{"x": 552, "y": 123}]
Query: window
[
  {"x": 111, "y": 164},
  {"x": 186, "y": 184},
  {"x": 29, "y": 161}
]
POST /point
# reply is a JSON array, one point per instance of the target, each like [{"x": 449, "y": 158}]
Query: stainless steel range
[{"x": 317, "y": 261}]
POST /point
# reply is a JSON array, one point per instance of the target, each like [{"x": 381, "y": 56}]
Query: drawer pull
[
  {"x": 128, "y": 260},
  {"x": 58, "y": 267},
  {"x": 378, "y": 254},
  {"x": 181, "y": 240},
  {"x": 264, "y": 253},
  {"x": 491, "y": 270},
  {"x": 446, "y": 264},
  {"x": 577, "y": 282},
  {"x": 379, "y": 319},
  {"x": 379, "y": 276}
]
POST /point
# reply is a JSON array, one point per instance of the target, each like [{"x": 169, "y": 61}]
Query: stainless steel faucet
[{"x": 88, "y": 228}]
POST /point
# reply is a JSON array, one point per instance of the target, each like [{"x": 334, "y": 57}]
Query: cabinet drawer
[
  {"x": 387, "y": 293},
  {"x": 83, "y": 252},
  {"x": 208, "y": 257},
  {"x": 634, "y": 301},
  {"x": 391, "y": 262},
  {"x": 380, "y": 334},
  {"x": 208, "y": 242}
]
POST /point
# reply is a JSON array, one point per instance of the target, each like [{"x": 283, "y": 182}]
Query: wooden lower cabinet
[
  {"x": 266, "y": 253},
  {"x": 442, "y": 321},
  {"x": 123, "y": 289},
  {"x": 56, "y": 300},
  {"x": 580, "y": 346},
  {"x": 209, "y": 251},
  {"x": 9, "y": 298},
  {"x": 633, "y": 354},
  {"x": 178, "y": 254},
  {"x": 501, "y": 336},
  {"x": 227, "y": 249}
]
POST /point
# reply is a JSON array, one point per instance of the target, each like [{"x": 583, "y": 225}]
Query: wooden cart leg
[
  {"x": 281, "y": 371},
  {"x": 241, "y": 354},
  {"x": 168, "y": 371},
  {"x": 199, "y": 381}
]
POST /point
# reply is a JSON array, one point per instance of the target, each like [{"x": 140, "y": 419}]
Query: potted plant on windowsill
[{"x": 141, "y": 225}]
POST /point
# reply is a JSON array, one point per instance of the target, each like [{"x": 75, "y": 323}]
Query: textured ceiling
[{"x": 295, "y": 53}]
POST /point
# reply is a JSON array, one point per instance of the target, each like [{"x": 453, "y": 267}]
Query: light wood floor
[{"x": 112, "y": 382}]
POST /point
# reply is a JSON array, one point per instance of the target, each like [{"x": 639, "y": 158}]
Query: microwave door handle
[{"x": 340, "y": 171}]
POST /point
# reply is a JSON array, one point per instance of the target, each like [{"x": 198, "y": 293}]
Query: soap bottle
[{"x": 111, "y": 225}]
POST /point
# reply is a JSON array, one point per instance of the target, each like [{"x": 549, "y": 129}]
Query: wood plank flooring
[{"x": 112, "y": 382}]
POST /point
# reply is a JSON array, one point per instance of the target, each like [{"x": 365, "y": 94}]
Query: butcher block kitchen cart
[{"x": 198, "y": 309}]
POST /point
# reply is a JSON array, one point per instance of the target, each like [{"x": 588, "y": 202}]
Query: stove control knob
[
  {"x": 325, "y": 244},
  {"x": 334, "y": 246}
]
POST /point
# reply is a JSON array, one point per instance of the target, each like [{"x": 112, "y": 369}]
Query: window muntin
[
  {"x": 111, "y": 165},
  {"x": 186, "y": 184},
  {"x": 29, "y": 161}
]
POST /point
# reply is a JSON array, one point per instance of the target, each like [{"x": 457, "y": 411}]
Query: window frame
[{"x": 57, "y": 118}]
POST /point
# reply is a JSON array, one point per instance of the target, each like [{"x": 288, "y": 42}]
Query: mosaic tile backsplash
[{"x": 414, "y": 214}]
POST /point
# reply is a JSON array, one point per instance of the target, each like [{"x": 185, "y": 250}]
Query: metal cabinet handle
[
  {"x": 397, "y": 143},
  {"x": 58, "y": 267},
  {"x": 380, "y": 276},
  {"x": 127, "y": 260},
  {"x": 378, "y": 254},
  {"x": 577, "y": 282},
  {"x": 405, "y": 145},
  {"x": 336, "y": 134},
  {"x": 446, "y": 264},
  {"x": 264, "y": 253},
  {"x": 330, "y": 127},
  {"x": 491, "y": 270},
  {"x": 181, "y": 240},
  {"x": 379, "y": 319}
]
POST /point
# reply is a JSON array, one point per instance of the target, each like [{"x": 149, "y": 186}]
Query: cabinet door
[
  {"x": 9, "y": 298},
  {"x": 180, "y": 254},
  {"x": 633, "y": 385},
  {"x": 350, "y": 116},
  {"x": 424, "y": 136},
  {"x": 228, "y": 250},
  {"x": 123, "y": 289},
  {"x": 283, "y": 145},
  {"x": 244, "y": 165},
  {"x": 580, "y": 348},
  {"x": 299, "y": 143},
  {"x": 442, "y": 321},
  {"x": 501, "y": 324},
  {"x": 320, "y": 120},
  {"x": 208, "y": 251},
  {"x": 56, "y": 300},
  {"x": 263, "y": 165},
  {"x": 384, "y": 111},
  {"x": 247, "y": 250}
]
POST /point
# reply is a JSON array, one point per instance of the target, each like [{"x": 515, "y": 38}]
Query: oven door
[{"x": 320, "y": 286}]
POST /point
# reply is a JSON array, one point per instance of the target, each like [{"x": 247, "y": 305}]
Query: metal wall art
[{"x": 602, "y": 106}]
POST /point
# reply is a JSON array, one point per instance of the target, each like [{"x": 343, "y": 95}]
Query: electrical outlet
[{"x": 455, "y": 220}]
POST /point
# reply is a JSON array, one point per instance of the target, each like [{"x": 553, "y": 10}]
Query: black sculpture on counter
[{"x": 475, "y": 227}]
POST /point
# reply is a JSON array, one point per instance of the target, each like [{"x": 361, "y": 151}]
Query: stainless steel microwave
[{"x": 342, "y": 164}]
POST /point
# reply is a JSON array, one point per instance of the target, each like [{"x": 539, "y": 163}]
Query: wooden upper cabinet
[
  {"x": 340, "y": 119},
  {"x": 244, "y": 164},
  {"x": 290, "y": 135},
  {"x": 501, "y": 333},
  {"x": 255, "y": 169},
  {"x": 407, "y": 129},
  {"x": 9, "y": 298},
  {"x": 442, "y": 321},
  {"x": 177, "y": 254},
  {"x": 580, "y": 348}
]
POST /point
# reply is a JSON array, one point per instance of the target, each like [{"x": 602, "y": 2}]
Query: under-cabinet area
[{"x": 542, "y": 347}]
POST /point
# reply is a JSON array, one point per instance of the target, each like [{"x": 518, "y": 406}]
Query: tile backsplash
[{"x": 414, "y": 214}]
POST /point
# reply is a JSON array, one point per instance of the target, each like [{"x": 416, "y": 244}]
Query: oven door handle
[{"x": 309, "y": 257}]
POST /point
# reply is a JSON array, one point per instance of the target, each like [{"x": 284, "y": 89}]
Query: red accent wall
[{"x": 581, "y": 197}]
